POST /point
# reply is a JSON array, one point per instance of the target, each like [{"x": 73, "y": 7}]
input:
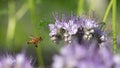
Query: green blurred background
[{"x": 19, "y": 19}]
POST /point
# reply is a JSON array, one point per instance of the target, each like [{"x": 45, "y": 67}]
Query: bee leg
[
  {"x": 36, "y": 45},
  {"x": 28, "y": 42}
]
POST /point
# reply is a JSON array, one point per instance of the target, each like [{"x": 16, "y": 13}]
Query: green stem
[
  {"x": 107, "y": 11},
  {"x": 34, "y": 21},
  {"x": 91, "y": 6},
  {"x": 80, "y": 7},
  {"x": 11, "y": 23},
  {"x": 21, "y": 12},
  {"x": 114, "y": 25}
]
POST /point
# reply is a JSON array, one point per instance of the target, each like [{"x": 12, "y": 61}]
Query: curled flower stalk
[{"x": 82, "y": 28}]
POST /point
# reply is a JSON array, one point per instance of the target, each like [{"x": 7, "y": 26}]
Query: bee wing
[{"x": 31, "y": 36}]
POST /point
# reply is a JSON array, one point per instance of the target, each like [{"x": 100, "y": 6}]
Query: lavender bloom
[
  {"x": 64, "y": 28},
  {"x": 76, "y": 56},
  {"x": 87, "y": 45},
  {"x": 70, "y": 27},
  {"x": 89, "y": 24},
  {"x": 88, "y": 28},
  {"x": 83, "y": 28},
  {"x": 53, "y": 29},
  {"x": 116, "y": 60},
  {"x": 19, "y": 61},
  {"x": 7, "y": 62}
]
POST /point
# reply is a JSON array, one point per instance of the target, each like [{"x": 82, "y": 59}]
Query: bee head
[{"x": 40, "y": 38}]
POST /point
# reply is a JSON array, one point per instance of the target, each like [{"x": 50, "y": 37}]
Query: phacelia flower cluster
[
  {"x": 76, "y": 56},
  {"x": 67, "y": 28},
  {"x": 87, "y": 44},
  {"x": 19, "y": 61}
]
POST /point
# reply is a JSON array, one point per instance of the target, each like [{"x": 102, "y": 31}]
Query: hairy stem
[
  {"x": 114, "y": 25},
  {"x": 107, "y": 11},
  {"x": 80, "y": 8},
  {"x": 11, "y": 23}
]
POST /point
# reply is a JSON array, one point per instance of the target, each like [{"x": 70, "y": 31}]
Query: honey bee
[{"x": 35, "y": 41}]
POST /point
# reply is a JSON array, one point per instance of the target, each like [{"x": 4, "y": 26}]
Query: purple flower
[
  {"x": 116, "y": 60},
  {"x": 70, "y": 27},
  {"x": 59, "y": 24},
  {"x": 19, "y": 61},
  {"x": 53, "y": 29},
  {"x": 89, "y": 24},
  {"x": 66, "y": 28},
  {"x": 77, "y": 56},
  {"x": 86, "y": 47},
  {"x": 7, "y": 62}
]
